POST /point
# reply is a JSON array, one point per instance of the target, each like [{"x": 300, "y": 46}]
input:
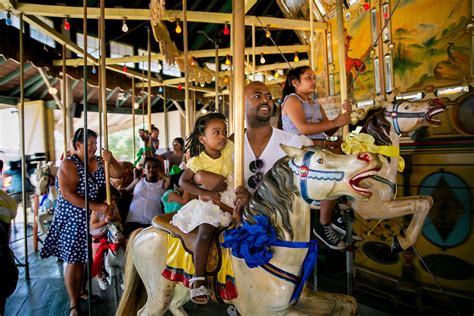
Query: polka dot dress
[{"x": 67, "y": 236}]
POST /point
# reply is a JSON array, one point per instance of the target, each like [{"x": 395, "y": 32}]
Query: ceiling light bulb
[
  {"x": 267, "y": 33},
  {"x": 160, "y": 89},
  {"x": 124, "y": 26},
  {"x": 8, "y": 20},
  {"x": 204, "y": 111},
  {"x": 136, "y": 105},
  {"x": 276, "y": 75},
  {"x": 296, "y": 58},
  {"x": 124, "y": 68},
  {"x": 94, "y": 71},
  {"x": 178, "y": 28},
  {"x": 226, "y": 30},
  {"x": 52, "y": 90},
  {"x": 227, "y": 60},
  {"x": 262, "y": 59},
  {"x": 66, "y": 25}
]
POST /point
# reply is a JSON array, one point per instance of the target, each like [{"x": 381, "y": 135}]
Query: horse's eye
[
  {"x": 406, "y": 107},
  {"x": 320, "y": 161}
]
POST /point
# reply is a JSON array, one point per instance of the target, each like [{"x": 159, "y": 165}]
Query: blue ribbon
[{"x": 252, "y": 243}]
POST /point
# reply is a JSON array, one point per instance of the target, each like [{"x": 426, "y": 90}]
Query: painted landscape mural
[{"x": 431, "y": 44}]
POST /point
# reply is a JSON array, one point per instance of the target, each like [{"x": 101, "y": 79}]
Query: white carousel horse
[
  {"x": 45, "y": 175},
  {"x": 386, "y": 126},
  {"x": 313, "y": 173},
  {"x": 114, "y": 257}
]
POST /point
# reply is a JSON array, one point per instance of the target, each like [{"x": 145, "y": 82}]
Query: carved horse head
[{"x": 115, "y": 233}]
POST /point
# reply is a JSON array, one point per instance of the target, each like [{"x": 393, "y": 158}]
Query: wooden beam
[
  {"x": 111, "y": 93},
  {"x": 34, "y": 87},
  {"x": 45, "y": 91},
  {"x": 155, "y": 100},
  {"x": 15, "y": 73},
  {"x": 9, "y": 100},
  {"x": 169, "y": 15},
  {"x": 248, "y": 5},
  {"x": 266, "y": 50}
]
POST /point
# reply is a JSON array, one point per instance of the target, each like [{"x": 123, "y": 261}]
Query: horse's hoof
[{"x": 396, "y": 248}]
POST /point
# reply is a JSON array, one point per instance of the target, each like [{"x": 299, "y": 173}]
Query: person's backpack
[{"x": 8, "y": 268}]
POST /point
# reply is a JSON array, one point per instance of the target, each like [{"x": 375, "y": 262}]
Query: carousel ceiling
[{"x": 281, "y": 32}]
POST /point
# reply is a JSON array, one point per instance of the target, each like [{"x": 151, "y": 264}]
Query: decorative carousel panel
[{"x": 431, "y": 44}]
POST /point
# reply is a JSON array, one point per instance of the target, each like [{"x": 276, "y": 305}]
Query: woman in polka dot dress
[{"x": 67, "y": 238}]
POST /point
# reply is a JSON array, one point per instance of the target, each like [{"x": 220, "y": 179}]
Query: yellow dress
[{"x": 197, "y": 212}]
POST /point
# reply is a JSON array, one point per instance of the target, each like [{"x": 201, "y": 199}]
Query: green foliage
[{"x": 121, "y": 144}]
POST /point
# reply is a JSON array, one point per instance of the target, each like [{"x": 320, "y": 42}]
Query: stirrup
[{"x": 201, "y": 291}]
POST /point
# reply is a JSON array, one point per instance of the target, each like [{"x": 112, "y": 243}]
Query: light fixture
[
  {"x": 124, "y": 26},
  {"x": 267, "y": 32},
  {"x": 296, "y": 58},
  {"x": 364, "y": 103},
  {"x": 192, "y": 62},
  {"x": 160, "y": 89},
  {"x": 227, "y": 60},
  {"x": 124, "y": 68},
  {"x": 8, "y": 19},
  {"x": 94, "y": 71},
  {"x": 66, "y": 24},
  {"x": 277, "y": 74},
  {"x": 262, "y": 59},
  {"x": 204, "y": 111},
  {"x": 226, "y": 80},
  {"x": 178, "y": 27},
  {"x": 180, "y": 87},
  {"x": 52, "y": 90},
  {"x": 366, "y": 5},
  {"x": 202, "y": 84},
  {"x": 411, "y": 96},
  {"x": 136, "y": 105},
  {"x": 226, "y": 30},
  {"x": 451, "y": 90}
]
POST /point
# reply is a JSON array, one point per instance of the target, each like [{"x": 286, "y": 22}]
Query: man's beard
[{"x": 263, "y": 119}]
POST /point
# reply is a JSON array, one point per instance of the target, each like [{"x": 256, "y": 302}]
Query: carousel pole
[
  {"x": 165, "y": 114},
  {"x": 311, "y": 35},
  {"x": 216, "y": 76},
  {"x": 345, "y": 131},
  {"x": 100, "y": 103},
  {"x": 238, "y": 27},
  {"x": 86, "y": 166},
  {"x": 254, "y": 61},
  {"x": 186, "y": 70},
  {"x": 133, "y": 119},
  {"x": 22, "y": 140},
  {"x": 148, "y": 99},
  {"x": 103, "y": 97},
  {"x": 63, "y": 93}
]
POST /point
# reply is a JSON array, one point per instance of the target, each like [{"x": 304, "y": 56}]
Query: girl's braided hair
[{"x": 192, "y": 143}]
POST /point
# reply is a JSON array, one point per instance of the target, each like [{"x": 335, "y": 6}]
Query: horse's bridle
[
  {"x": 395, "y": 115},
  {"x": 304, "y": 172}
]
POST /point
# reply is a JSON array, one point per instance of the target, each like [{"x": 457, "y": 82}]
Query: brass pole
[
  {"x": 165, "y": 113},
  {"x": 99, "y": 108},
  {"x": 186, "y": 70},
  {"x": 342, "y": 57},
  {"x": 254, "y": 61},
  {"x": 103, "y": 97},
  {"x": 311, "y": 35},
  {"x": 86, "y": 165},
  {"x": 148, "y": 100},
  {"x": 63, "y": 94},
  {"x": 238, "y": 26},
  {"x": 133, "y": 120},
  {"x": 216, "y": 76},
  {"x": 22, "y": 145}
]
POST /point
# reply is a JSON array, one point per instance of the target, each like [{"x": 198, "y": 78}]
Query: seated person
[
  {"x": 147, "y": 193},
  {"x": 175, "y": 157},
  {"x": 175, "y": 197},
  {"x": 98, "y": 223}
]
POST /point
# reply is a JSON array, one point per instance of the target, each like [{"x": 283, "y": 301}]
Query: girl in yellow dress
[{"x": 212, "y": 152}]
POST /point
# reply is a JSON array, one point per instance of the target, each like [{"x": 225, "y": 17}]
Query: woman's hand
[
  {"x": 343, "y": 119},
  {"x": 107, "y": 156}
]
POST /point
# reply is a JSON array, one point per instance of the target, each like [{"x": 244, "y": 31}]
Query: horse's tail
[{"x": 134, "y": 295}]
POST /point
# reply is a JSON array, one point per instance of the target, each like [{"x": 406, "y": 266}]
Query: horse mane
[
  {"x": 274, "y": 198},
  {"x": 379, "y": 127}
]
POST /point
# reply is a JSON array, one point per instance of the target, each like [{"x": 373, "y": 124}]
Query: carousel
[{"x": 403, "y": 177}]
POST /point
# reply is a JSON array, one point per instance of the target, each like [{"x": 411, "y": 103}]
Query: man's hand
[
  {"x": 242, "y": 197},
  {"x": 210, "y": 181}
]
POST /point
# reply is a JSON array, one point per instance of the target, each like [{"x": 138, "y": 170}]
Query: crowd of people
[{"x": 194, "y": 180}]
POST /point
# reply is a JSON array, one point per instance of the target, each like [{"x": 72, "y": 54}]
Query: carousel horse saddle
[{"x": 162, "y": 222}]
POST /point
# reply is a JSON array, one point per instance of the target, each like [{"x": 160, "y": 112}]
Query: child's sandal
[{"x": 199, "y": 295}]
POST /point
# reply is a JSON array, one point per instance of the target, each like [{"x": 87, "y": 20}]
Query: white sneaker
[{"x": 103, "y": 284}]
